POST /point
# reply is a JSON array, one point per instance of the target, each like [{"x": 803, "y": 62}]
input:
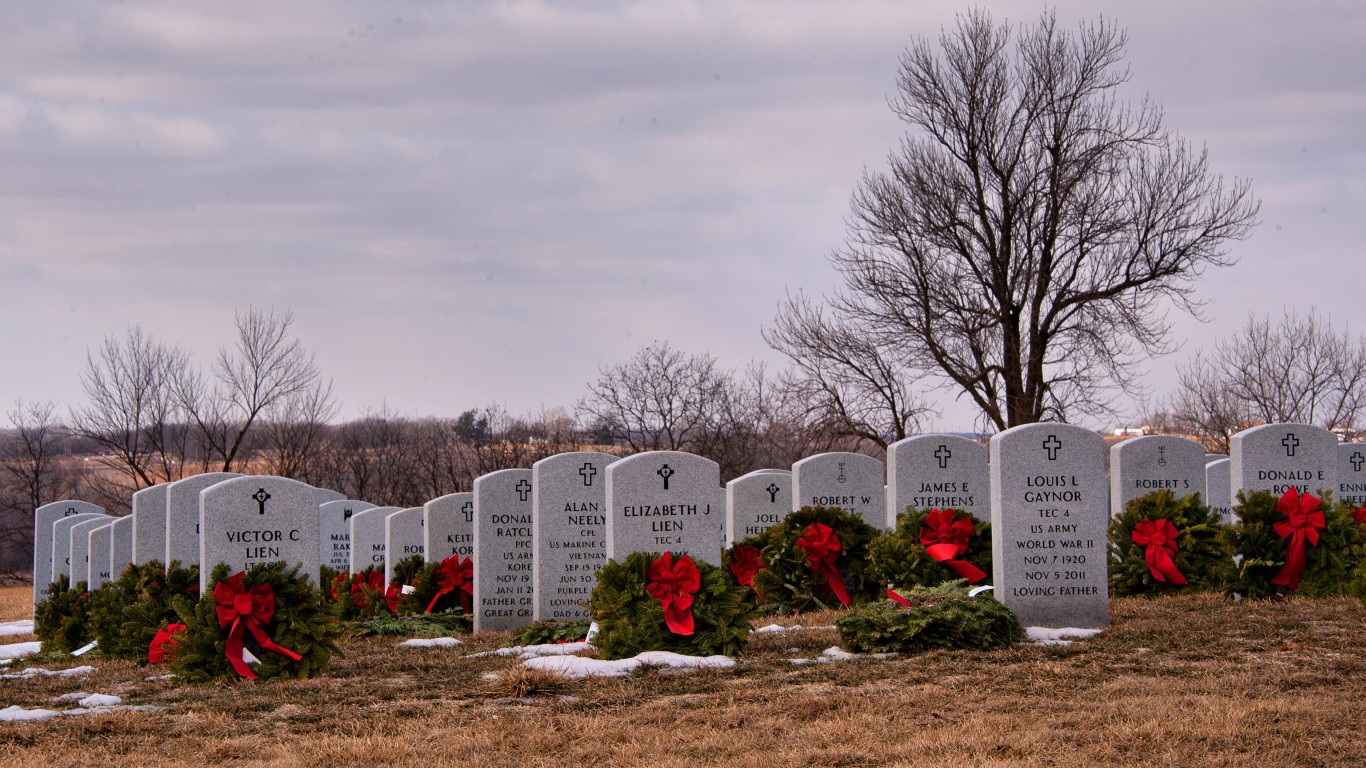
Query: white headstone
[
  {"x": 504, "y": 592},
  {"x": 756, "y": 502},
  {"x": 61, "y": 542},
  {"x": 665, "y": 501},
  {"x": 257, "y": 519},
  {"x": 1276, "y": 457},
  {"x": 149, "y": 524},
  {"x": 1216, "y": 490},
  {"x": 1142, "y": 465},
  {"x": 569, "y": 528},
  {"x": 80, "y": 548},
  {"x": 1351, "y": 487},
  {"x": 99, "y": 554},
  {"x": 851, "y": 481},
  {"x": 43, "y": 519},
  {"x": 121, "y": 546},
  {"x": 404, "y": 534},
  {"x": 334, "y": 532},
  {"x": 449, "y": 523},
  {"x": 367, "y": 538},
  {"x": 183, "y": 517},
  {"x": 937, "y": 472},
  {"x": 327, "y": 494}
]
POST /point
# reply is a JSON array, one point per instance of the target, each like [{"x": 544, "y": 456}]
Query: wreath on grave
[
  {"x": 271, "y": 612},
  {"x": 654, "y": 602},
  {"x": 127, "y": 613},
  {"x": 406, "y": 575},
  {"x": 927, "y": 617},
  {"x": 743, "y": 562},
  {"x": 1296, "y": 544},
  {"x": 1162, "y": 544},
  {"x": 550, "y": 631},
  {"x": 929, "y": 548},
  {"x": 362, "y": 596},
  {"x": 816, "y": 558},
  {"x": 445, "y": 588},
  {"x": 62, "y": 621}
]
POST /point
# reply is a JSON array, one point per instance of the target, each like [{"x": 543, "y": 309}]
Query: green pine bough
[
  {"x": 788, "y": 584},
  {"x": 899, "y": 558},
  {"x": 941, "y": 616},
  {"x": 301, "y": 623},
  {"x": 551, "y": 631},
  {"x": 1202, "y": 554},
  {"x": 630, "y": 621},
  {"x": 62, "y": 621},
  {"x": 126, "y": 613},
  {"x": 1334, "y": 566}
]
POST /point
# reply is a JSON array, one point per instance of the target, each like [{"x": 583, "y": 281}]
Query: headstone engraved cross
[
  {"x": 261, "y": 497},
  {"x": 240, "y": 531},
  {"x": 569, "y": 529},
  {"x": 1357, "y": 460},
  {"x": 43, "y": 519},
  {"x": 1277, "y": 457},
  {"x": 665, "y": 472},
  {"x": 588, "y": 472},
  {"x": 1052, "y": 444},
  {"x": 1351, "y": 485},
  {"x": 936, "y": 472},
  {"x": 1291, "y": 443},
  {"x": 943, "y": 454},
  {"x": 685, "y": 517},
  {"x": 756, "y": 502},
  {"x": 772, "y": 491},
  {"x": 504, "y": 593},
  {"x": 449, "y": 525}
]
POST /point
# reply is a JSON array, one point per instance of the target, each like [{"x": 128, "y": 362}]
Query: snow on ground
[
  {"x": 578, "y": 666},
  {"x": 21, "y": 627},
  {"x": 836, "y": 653},
  {"x": 36, "y": 671},
  {"x": 91, "y": 704},
  {"x": 774, "y": 628},
  {"x": 534, "y": 651},
  {"x": 1052, "y": 636},
  {"x": 19, "y": 650},
  {"x": 430, "y": 642}
]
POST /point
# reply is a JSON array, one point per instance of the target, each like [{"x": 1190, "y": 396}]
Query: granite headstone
[
  {"x": 666, "y": 501},
  {"x": 756, "y": 502},
  {"x": 327, "y": 494},
  {"x": 149, "y": 524},
  {"x": 449, "y": 526},
  {"x": 99, "y": 554},
  {"x": 183, "y": 518},
  {"x": 504, "y": 592},
  {"x": 43, "y": 518},
  {"x": 1142, "y": 465},
  {"x": 569, "y": 527},
  {"x": 404, "y": 534},
  {"x": 1277, "y": 457},
  {"x": 937, "y": 472},
  {"x": 851, "y": 481},
  {"x": 61, "y": 542},
  {"x": 121, "y": 545},
  {"x": 257, "y": 519},
  {"x": 80, "y": 548},
  {"x": 334, "y": 532},
  {"x": 1216, "y": 490},
  {"x": 1351, "y": 487},
  {"x": 367, "y": 538}
]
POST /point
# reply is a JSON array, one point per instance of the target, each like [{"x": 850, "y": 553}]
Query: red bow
[
  {"x": 454, "y": 575},
  {"x": 1359, "y": 515},
  {"x": 391, "y": 597},
  {"x": 673, "y": 585},
  {"x": 1303, "y": 521},
  {"x": 1159, "y": 536},
  {"x": 946, "y": 539},
  {"x": 822, "y": 547},
  {"x": 374, "y": 582},
  {"x": 745, "y": 563},
  {"x": 250, "y": 610},
  {"x": 162, "y": 643}
]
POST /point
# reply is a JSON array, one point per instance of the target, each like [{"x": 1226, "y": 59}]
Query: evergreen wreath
[
  {"x": 62, "y": 621},
  {"x": 552, "y": 631},
  {"x": 361, "y": 597},
  {"x": 743, "y": 562},
  {"x": 940, "y": 616},
  {"x": 788, "y": 583},
  {"x": 127, "y": 612},
  {"x": 900, "y": 558},
  {"x": 300, "y": 623},
  {"x": 1335, "y": 565},
  {"x": 426, "y": 598},
  {"x": 631, "y": 620},
  {"x": 406, "y": 574},
  {"x": 1197, "y": 553}
]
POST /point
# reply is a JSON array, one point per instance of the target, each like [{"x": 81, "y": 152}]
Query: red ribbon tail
[
  {"x": 894, "y": 597},
  {"x": 266, "y": 643},
  {"x": 1167, "y": 566},
  {"x": 836, "y": 584},
  {"x": 443, "y": 591},
  {"x": 1289, "y": 575},
  {"x": 234, "y": 651},
  {"x": 967, "y": 570},
  {"x": 678, "y": 620}
]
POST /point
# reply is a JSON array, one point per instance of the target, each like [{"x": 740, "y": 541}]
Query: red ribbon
[
  {"x": 361, "y": 582},
  {"x": 1159, "y": 537},
  {"x": 673, "y": 585},
  {"x": 454, "y": 575},
  {"x": 822, "y": 547},
  {"x": 249, "y": 610},
  {"x": 745, "y": 564},
  {"x": 1303, "y": 521},
  {"x": 892, "y": 594},
  {"x": 1359, "y": 515},
  {"x": 162, "y": 643},
  {"x": 946, "y": 540},
  {"x": 391, "y": 597}
]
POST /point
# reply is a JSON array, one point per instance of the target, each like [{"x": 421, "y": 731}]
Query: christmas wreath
[
  {"x": 926, "y": 617},
  {"x": 929, "y": 548},
  {"x": 1296, "y": 544},
  {"x": 62, "y": 621},
  {"x": 127, "y": 613},
  {"x": 653, "y": 602},
  {"x": 1162, "y": 543},
  {"x": 743, "y": 562},
  {"x": 266, "y": 622},
  {"x": 816, "y": 558},
  {"x": 552, "y": 631},
  {"x": 362, "y": 596}
]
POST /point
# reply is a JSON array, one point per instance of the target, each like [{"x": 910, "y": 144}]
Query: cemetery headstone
[
  {"x": 149, "y": 524},
  {"x": 1351, "y": 487},
  {"x": 327, "y": 494},
  {"x": 334, "y": 532},
  {"x": 665, "y": 501},
  {"x": 756, "y": 502},
  {"x": 569, "y": 527},
  {"x": 1277, "y": 457},
  {"x": 121, "y": 545},
  {"x": 61, "y": 542},
  {"x": 937, "y": 472},
  {"x": 851, "y": 481},
  {"x": 1049, "y": 514},
  {"x": 80, "y": 548},
  {"x": 450, "y": 526},
  {"x": 367, "y": 538},
  {"x": 504, "y": 593},
  {"x": 183, "y": 518},
  {"x": 404, "y": 534},
  {"x": 1150, "y": 463},
  {"x": 43, "y": 518},
  {"x": 99, "y": 556},
  {"x": 1215, "y": 457},
  {"x": 1216, "y": 490},
  {"x": 257, "y": 519}
]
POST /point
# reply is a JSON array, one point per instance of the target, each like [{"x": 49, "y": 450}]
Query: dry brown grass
[
  {"x": 1189, "y": 681},
  {"x": 16, "y": 603}
]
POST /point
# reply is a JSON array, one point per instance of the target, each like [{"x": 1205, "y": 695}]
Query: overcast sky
[{"x": 467, "y": 203}]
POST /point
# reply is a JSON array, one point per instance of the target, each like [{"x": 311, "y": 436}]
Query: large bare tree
[{"x": 1032, "y": 229}]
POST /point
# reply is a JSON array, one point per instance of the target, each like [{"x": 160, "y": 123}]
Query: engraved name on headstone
[
  {"x": 182, "y": 517},
  {"x": 404, "y": 534},
  {"x": 851, "y": 481},
  {"x": 1277, "y": 457},
  {"x": 1351, "y": 487},
  {"x": 665, "y": 501},
  {"x": 61, "y": 542},
  {"x": 449, "y": 526},
  {"x": 756, "y": 502},
  {"x": 149, "y": 524},
  {"x": 1142, "y": 465},
  {"x": 1216, "y": 489},
  {"x": 257, "y": 519},
  {"x": 1049, "y": 514},
  {"x": 367, "y": 538},
  {"x": 937, "y": 472},
  {"x": 43, "y": 519},
  {"x": 504, "y": 591},
  {"x": 569, "y": 527},
  {"x": 334, "y": 532},
  {"x": 99, "y": 555}
]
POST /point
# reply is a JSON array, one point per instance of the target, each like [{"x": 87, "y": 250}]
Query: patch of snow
[
  {"x": 95, "y": 700},
  {"x": 535, "y": 651},
  {"x": 16, "y": 713},
  {"x": 21, "y": 627},
  {"x": 20, "y": 650},
  {"x": 1056, "y": 636},
  {"x": 36, "y": 671},
  {"x": 489, "y": 676},
  {"x": 430, "y": 642},
  {"x": 794, "y": 628},
  {"x": 578, "y": 666},
  {"x": 836, "y": 653},
  {"x": 159, "y": 677}
]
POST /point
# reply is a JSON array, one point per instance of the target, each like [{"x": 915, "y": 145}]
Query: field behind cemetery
[{"x": 1183, "y": 681}]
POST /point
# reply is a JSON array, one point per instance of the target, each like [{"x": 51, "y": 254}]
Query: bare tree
[
  {"x": 1299, "y": 369},
  {"x": 1030, "y": 235},
  {"x": 31, "y": 475},
  {"x": 293, "y": 430}
]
